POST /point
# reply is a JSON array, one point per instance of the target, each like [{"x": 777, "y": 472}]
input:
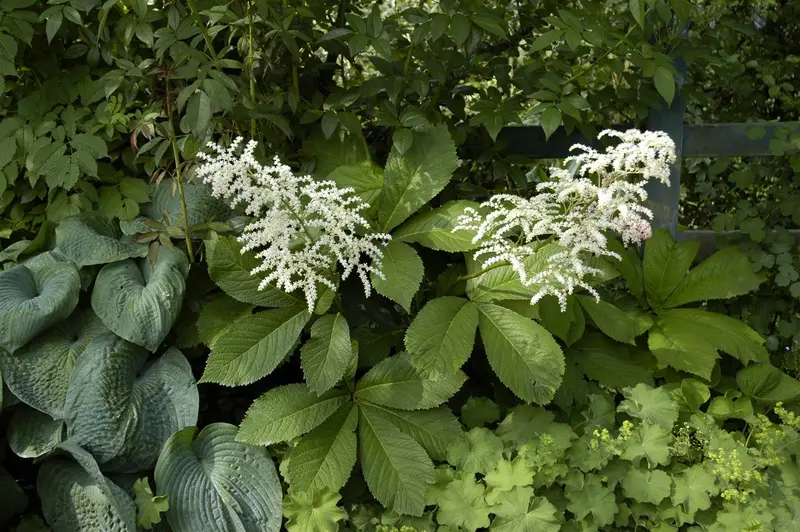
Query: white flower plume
[
  {"x": 594, "y": 193},
  {"x": 303, "y": 227}
]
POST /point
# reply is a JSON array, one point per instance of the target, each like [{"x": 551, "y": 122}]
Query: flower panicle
[{"x": 303, "y": 229}]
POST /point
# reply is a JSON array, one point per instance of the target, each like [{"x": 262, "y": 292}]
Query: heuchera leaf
[
  {"x": 241, "y": 493},
  {"x": 403, "y": 271},
  {"x": 519, "y": 511},
  {"x": 462, "y": 506},
  {"x": 480, "y": 452},
  {"x": 313, "y": 511}
]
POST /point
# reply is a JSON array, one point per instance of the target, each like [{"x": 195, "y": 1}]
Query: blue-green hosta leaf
[
  {"x": 415, "y": 177},
  {"x": 442, "y": 335},
  {"x": 396, "y": 467},
  {"x": 32, "y": 301},
  {"x": 326, "y": 354},
  {"x": 14, "y": 499},
  {"x": 76, "y": 497},
  {"x": 230, "y": 269},
  {"x": 396, "y": 383},
  {"x": 521, "y": 352},
  {"x": 39, "y": 373},
  {"x": 122, "y": 410},
  {"x": 286, "y": 412},
  {"x": 201, "y": 206},
  {"x": 32, "y": 434},
  {"x": 89, "y": 239},
  {"x": 215, "y": 484},
  {"x": 727, "y": 273},
  {"x": 140, "y": 301},
  {"x": 324, "y": 457},
  {"x": 434, "y": 228},
  {"x": 666, "y": 263},
  {"x": 403, "y": 271},
  {"x": 254, "y": 346}
]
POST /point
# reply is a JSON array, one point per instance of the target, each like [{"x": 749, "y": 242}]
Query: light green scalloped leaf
[
  {"x": 32, "y": 434},
  {"x": 122, "y": 410},
  {"x": 32, "y": 301},
  {"x": 39, "y": 373},
  {"x": 140, "y": 301},
  {"x": 89, "y": 239},
  {"x": 76, "y": 497},
  {"x": 201, "y": 206},
  {"x": 215, "y": 484}
]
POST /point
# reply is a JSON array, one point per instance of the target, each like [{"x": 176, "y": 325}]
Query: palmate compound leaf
[
  {"x": 286, "y": 412},
  {"x": 434, "y": 228},
  {"x": 396, "y": 467},
  {"x": 39, "y": 373},
  {"x": 442, "y": 335},
  {"x": 121, "y": 409},
  {"x": 325, "y": 356},
  {"x": 254, "y": 346},
  {"x": 612, "y": 364},
  {"x": 396, "y": 383},
  {"x": 33, "y": 300},
  {"x": 215, "y": 484},
  {"x": 521, "y": 352},
  {"x": 666, "y": 263},
  {"x": 76, "y": 497},
  {"x": 140, "y": 301},
  {"x": 403, "y": 271},
  {"x": 614, "y": 322},
  {"x": 519, "y": 511},
  {"x": 89, "y": 239}
]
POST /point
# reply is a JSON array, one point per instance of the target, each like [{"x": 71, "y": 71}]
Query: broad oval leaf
[
  {"x": 366, "y": 180},
  {"x": 442, "y": 335},
  {"x": 521, "y": 352},
  {"x": 403, "y": 271},
  {"x": 434, "y": 229},
  {"x": 141, "y": 301},
  {"x": 201, "y": 206},
  {"x": 286, "y": 412},
  {"x": 396, "y": 383},
  {"x": 240, "y": 493},
  {"x": 32, "y": 434},
  {"x": 612, "y": 364},
  {"x": 666, "y": 263},
  {"x": 616, "y": 323},
  {"x": 325, "y": 356},
  {"x": 230, "y": 269},
  {"x": 89, "y": 239},
  {"x": 254, "y": 346},
  {"x": 767, "y": 383},
  {"x": 32, "y": 301},
  {"x": 121, "y": 410},
  {"x": 503, "y": 283},
  {"x": 39, "y": 373}
]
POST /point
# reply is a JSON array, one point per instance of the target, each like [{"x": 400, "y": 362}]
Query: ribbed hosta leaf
[
  {"x": 326, "y": 354},
  {"x": 201, "y": 206},
  {"x": 140, "y": 301},
  {"x": 396, "y": 467},
  {"x": 89, "y": 239},
  {"x": 122, "y": 419},
  {"x": 38, "y": 374},
  {"x": 325, "y": 456},
  {"x": 76, "y": 497},
  {"x": 216, "y": 484},
  {"x": 32, "y": 434},
  {"x": 32, "y": 301}
]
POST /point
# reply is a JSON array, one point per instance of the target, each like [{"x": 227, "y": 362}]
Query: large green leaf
[
  {"x": 89, "y": 239},
  {"x": 32, "y": 301},
  {"x": 396, "y": 468},
  {"x": 629, "y": 265},
  {"x": 39, "y": 373},
  {"x": 215, "y": 484},
  {"x": 324, "y": 457},
  {"x": 412, "y": 179},
  {"x": 666, "y": 263},
  {"x": 503, "y": 283},
  {"x": 76, "y": 497},
  {"x": 434, "y": 228},
  {"x": 286, "y": 412},
  {"x": 201, "y": 206},
  {"x": 230, "y": 269},
  {"x": 613, "y": 365},
  {"x": 141, "y": 301},
  {"x": 14, "y": 499},
  {"x": 434, "y": 429},
  {"x": 343, "y": 148},
  {"x": 218, "y": 315},
  {"x": 254, "y": 346},
  {"x": 521, "y": 352},
  {"x": 325, "y": 356},
  {"x": 121, "y": 410},
  {"x": 32, "y": 434},
  {"x": 615, "y": 322},
  {"x": 688, "y": 340},
  {"x": 442, "y": 335},
  {"x": 396, "y": 383},
  {"x": 403, "y": 270},
  {"x": 727, "y": 273},
  {"x": 366, "y": 180},
  {"x": 767, "y": 383}
]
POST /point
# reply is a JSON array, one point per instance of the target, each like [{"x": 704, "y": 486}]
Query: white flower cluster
[
  {"x": 303, "y": 227},
  {"x": 594, "y": 193}
]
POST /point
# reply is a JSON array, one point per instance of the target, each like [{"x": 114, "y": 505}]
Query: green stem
[
  {"x": 252, "y": 68},
  {"x": 179, "y": 177},
  {"x": 203, "y": 29},
  {"x": 481, "y": 272}
]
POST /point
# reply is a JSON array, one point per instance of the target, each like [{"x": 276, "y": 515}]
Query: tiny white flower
[
  {"x": 303, "y": 228},
  {"x": 594, "y": 193}
]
